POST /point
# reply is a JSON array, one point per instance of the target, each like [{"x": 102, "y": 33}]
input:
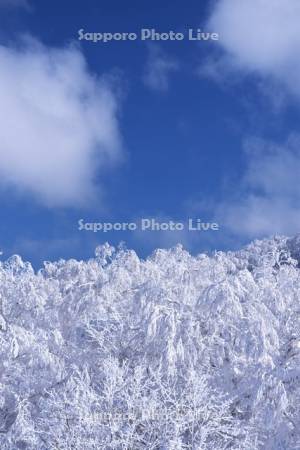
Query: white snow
[{"x": 174, "y": 352}]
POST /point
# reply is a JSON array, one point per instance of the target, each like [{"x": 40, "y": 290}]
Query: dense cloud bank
[{"x": 175, "y": 352}]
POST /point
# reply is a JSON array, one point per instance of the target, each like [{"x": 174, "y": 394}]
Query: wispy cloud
[
  {"x": 259, "y": 37},
  {"x": 159, "y": 68},
  {"x": 58, "y": 124},
  {"x": 268, "y": 197}
]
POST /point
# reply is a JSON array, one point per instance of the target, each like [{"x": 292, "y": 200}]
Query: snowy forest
[{"x": 174, "y": 352}]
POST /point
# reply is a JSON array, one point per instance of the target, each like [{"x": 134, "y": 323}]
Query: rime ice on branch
[{"x": 174, "y": 352}]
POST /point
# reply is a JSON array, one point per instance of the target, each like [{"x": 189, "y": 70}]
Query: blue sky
[{"x": 112, "y": 132}]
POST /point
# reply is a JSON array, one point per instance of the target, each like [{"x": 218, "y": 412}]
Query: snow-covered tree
[{"x": 174, "y": 352}]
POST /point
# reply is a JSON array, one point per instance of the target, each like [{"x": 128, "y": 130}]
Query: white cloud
[
  {"x": 269, "y": 196},
  {"x": 261, "y": 36},
  {"x": 159, "y": 68},
  {"x": 58, "y": 124}
]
